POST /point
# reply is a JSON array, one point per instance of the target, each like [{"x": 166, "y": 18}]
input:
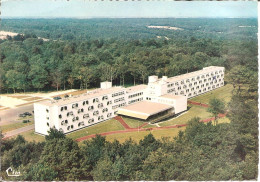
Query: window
[
  {"x": 109, "y": 114},
  {"x": 47, "y": 110},
  {"x": 60, "y": 116},
  {"x": 61, "y": 109},
  {"x": 90, "y": 108},
  {"x": 91, "y": 120},
  {"x": 65, "y": 107},
  {"x": 75, "y": 105},
  {"x": 96, "y": 113},
  {"x": 48, "y": 124},
  {"x": 100, "y": 117},
  {"x": 66, "y": 121},
  {"x": 68, "y": 128},
  {"x": 104, "y": 97},
  {"x": 71, "y": 126},
  {"x": 47, "y": 118},
  {"x": 100, "y": 105},
  {"x": 109, "y": 102},
  {"x": 85, "y": 116},
  {"x": 80, "y": 110}
]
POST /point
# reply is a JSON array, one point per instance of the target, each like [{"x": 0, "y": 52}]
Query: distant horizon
[
  {"x": 81, "y": 9},
  {"x": 81, "y": 18}
]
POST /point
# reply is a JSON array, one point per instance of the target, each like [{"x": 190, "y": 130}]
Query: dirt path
[
  {"x": 143, "y": 125},
  {"x": 123, "y": 123},
  {"x": 17, "y": 131},
  {"x": 198, "y": 104},
  {"x": 140, "y": 128}
]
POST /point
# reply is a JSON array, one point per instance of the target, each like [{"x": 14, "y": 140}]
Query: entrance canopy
[{"x": 143, "y": 109}]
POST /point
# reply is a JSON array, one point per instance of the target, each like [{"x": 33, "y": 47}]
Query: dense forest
[
  {"x": 30, "y": 64},
  {"x": 81, "y": 53}
]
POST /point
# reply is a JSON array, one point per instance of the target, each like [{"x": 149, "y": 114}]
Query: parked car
[
  {"x": 57, "y": 98},
  {"x": 22, "y": 115},
  {"x": 27, "y": 114}
]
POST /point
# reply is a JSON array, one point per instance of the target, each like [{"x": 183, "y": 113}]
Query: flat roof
[
  {"x": 136, "y": 88},
  {"x": 171, "y": 96},
  {"x": 143, "y": 109},
  {"x": 91, "y": 94},
  {"x": 191, "y": 74}
]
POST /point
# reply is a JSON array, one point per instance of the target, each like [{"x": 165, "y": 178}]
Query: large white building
[{"x": 159, "y": 99}]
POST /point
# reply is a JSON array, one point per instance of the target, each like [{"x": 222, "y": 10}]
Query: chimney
[
  {"x": 152, "y": 79},
  {"x": 105, "y": 85}
]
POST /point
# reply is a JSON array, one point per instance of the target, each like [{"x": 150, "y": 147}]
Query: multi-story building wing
[
  {"x": 190, "y": 84},
  {"x": 161, "y": 96}
]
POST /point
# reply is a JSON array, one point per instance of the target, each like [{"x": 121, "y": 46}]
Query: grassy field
[
  {"x": 223, "y": 93},
  {"x": 137, "y": 136},
  {"x": 14, "y": 126},
  {"x": 223, "y": 120},
  {"x": 149, "y": 126},
  {"x": 110, "y": 125},
  {"x": 194, "y": 111},
  {"x": 31, "y": 136},
  {"x": 133, "y": 123}
]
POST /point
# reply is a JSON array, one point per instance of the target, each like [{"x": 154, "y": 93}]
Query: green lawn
[
  {"x": 224, "y": 93},
  {"x": 13, "y": 126},
  {"x": 137, "y": 136},
  {"x": 149, "y": 126},
  {"x": 133, "y": 123},
  {"x": 194, "y": 111},
  {"x": 31, "y": 136},
  {"x": 223, "y": 120},
  {"x": 110, "y": 125}
]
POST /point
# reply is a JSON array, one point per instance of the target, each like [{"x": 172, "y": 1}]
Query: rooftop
[
  {"x": 91, "y": 94},
  {"x": 170, "y": 96},
  {"x": 143, "y": 109},
  {"x": 191, "y": 74},
  {"x": 136, "y": 88}
]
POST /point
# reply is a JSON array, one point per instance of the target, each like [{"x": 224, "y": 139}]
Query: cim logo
[{"x": 11, "y": 172}]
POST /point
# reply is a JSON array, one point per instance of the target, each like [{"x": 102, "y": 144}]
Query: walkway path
[
  {"x": 197, "y": 103},
  {"x": 18, "y": 131},
  {"x": 140, "y": 128},
  {"x": 120, "y": 119}
]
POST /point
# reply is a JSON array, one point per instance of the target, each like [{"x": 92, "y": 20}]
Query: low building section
[{"x": 146, "y": 101}]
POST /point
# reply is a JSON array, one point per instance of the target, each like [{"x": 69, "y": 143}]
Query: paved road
[
  {"x": 18, "y": 131},
  {"x": 11, "y": 115}
]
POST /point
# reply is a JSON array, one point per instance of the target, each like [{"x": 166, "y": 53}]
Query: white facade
[{"x": 77, "y": 112}]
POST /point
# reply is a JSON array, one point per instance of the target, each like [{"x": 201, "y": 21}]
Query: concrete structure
[{"x": 160, "y": 98}]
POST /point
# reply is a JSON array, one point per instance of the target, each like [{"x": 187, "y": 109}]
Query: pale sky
[{"x": 126, "y": 9}]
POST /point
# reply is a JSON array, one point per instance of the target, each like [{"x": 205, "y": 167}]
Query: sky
[{"x": 127, "y": 9}]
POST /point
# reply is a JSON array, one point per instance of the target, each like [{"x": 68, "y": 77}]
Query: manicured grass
[
  {"x": 110, "y": 125},
  {"x": 223, "y": 120},
  {"x": 194, "y": 111},
  {"x": 224, "y": 93},
  {"x": 14, "y": 126},
  {"x": 149, "y": 126},
  {"x": 133, "y": 123},
  {"x": 137, "y": 136},
  {"x": 30, "y": 136}
]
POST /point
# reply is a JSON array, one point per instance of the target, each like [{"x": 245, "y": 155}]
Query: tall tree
[{"x": 216, "y": 107}]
